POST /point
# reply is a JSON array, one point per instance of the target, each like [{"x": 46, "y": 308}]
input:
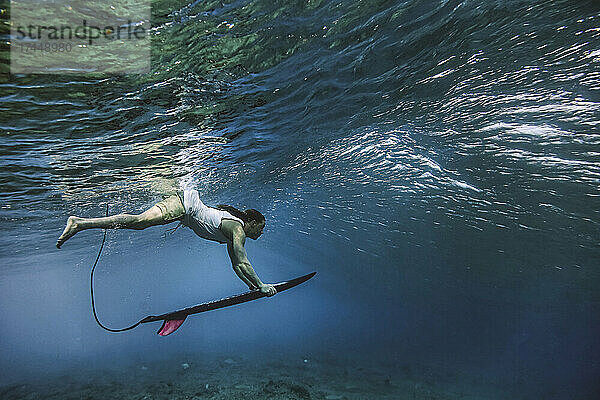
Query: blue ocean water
[{"x": 436, "y": 162}]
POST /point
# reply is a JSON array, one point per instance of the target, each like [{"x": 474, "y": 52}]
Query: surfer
[{"x": 223, "y": 224}]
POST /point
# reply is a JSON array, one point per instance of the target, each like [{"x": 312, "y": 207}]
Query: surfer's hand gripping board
[{"x": 268, "y": 289}]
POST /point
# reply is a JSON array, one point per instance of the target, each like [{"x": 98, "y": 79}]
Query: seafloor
[{"x": 221, "y": 378}]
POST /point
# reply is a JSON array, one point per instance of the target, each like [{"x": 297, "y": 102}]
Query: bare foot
[{"x": 69, "y": 231}]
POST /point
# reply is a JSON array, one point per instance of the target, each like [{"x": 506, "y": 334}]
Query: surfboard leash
[{"x": 92, "y": 289}]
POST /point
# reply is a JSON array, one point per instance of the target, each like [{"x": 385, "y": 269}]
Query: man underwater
[{"x": 223, "y": 224}]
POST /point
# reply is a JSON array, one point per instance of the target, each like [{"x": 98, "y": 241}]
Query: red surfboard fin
[{"x": 169, "y": 326}]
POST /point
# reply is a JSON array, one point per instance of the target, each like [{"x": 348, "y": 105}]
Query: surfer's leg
[{"x": 164, "y": 212}]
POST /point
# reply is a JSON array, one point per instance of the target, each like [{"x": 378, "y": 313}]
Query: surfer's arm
[
  {"x": 241, "y": 264},
  {"x": 237, "y": 267}
]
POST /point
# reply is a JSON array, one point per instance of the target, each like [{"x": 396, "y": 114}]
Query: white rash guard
[{"x": 203, "y": 220}]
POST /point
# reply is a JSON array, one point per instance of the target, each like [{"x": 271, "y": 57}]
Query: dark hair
[{"x": 246, "y": 216}]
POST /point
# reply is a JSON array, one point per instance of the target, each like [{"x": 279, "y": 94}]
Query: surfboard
[{"x": 174, "y": 319}]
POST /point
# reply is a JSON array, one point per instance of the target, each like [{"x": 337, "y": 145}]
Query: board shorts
[{"x": 172, "y": 208}]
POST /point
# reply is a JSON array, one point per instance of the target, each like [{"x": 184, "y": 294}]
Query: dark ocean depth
[{"x": 436, "y": 162}]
